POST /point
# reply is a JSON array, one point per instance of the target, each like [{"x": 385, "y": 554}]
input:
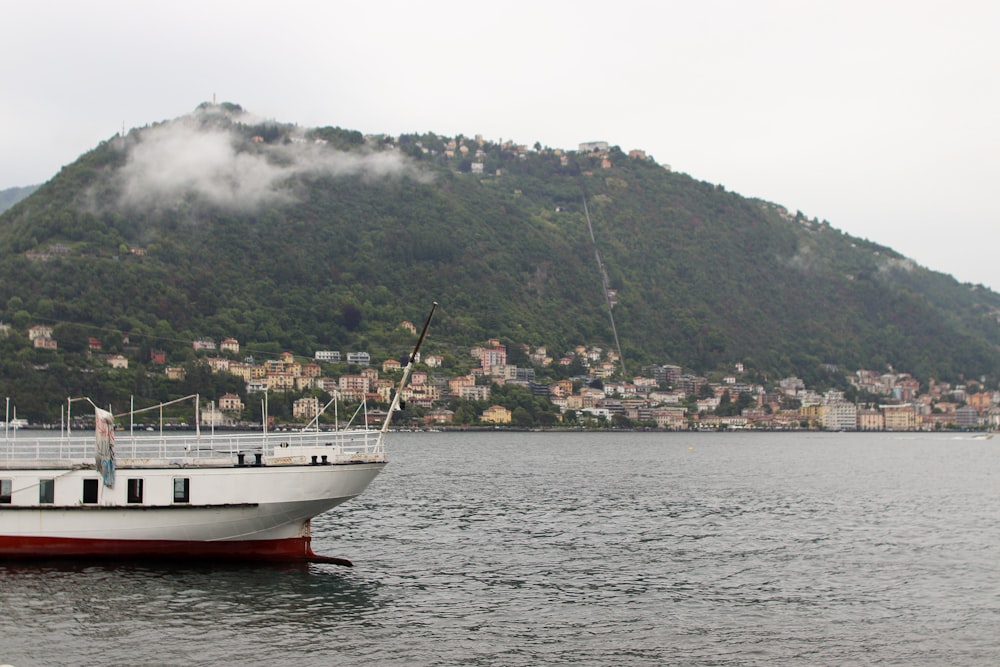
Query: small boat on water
[{"x": 233, "y": 496}]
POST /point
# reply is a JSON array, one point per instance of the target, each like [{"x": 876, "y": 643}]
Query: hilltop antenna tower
[{"x": 604, "y": 284}]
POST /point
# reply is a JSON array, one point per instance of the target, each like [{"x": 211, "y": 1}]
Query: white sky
[{"x": 882, "y": 117}]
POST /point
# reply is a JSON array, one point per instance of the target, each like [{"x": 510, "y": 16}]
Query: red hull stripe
[{"x": 289, "y": 549}]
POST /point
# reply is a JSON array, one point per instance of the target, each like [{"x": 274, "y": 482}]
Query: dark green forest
[{"x": 340, "y": 255}]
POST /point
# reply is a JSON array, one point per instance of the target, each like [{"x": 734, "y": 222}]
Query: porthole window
[
  {"x": 182, "y": 490},
  {"x": 46, "y": 491},
  {"x": 90, "y": 491},
  {"x": 134, "y": 493},
  {"x": 6, "y": 490}
]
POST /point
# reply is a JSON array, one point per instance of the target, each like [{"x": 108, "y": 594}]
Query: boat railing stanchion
[
  {"x": 160, "y": 443},
  {"x": 131, "y": 422}
]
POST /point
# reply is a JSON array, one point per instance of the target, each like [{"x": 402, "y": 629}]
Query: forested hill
[
  {"x": 287, "y": 238},
  {"x": 11, "y": 196}
]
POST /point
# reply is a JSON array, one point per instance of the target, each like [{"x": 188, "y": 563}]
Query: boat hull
[
  {"x": 235, "y": 513},
  {"x": 29, "y": 547}
]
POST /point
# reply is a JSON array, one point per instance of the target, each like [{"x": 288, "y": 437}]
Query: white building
[
  {"x": 360, "y": 358},
  {"x": 840, "y": 416}
]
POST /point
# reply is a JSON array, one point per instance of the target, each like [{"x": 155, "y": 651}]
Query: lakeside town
[{"x": 663, "y": 397}]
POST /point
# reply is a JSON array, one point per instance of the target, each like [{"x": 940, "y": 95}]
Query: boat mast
[{"x": 406, "y": 371}]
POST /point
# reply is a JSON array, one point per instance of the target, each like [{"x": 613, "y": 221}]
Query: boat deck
[{"x": 25, "y": 450}]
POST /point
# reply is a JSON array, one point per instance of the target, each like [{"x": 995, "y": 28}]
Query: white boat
[{"x": 238, "y": 496}]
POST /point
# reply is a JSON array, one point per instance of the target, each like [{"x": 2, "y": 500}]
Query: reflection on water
[
  {"x": 497, "y": 549},
  {"x": 191, "y": 614}
]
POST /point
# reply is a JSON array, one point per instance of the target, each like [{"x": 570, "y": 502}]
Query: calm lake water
[{"x": 597, "y": 549}]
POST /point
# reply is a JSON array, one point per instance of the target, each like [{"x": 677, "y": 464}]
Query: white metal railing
[{"x": 336, "y": 445}]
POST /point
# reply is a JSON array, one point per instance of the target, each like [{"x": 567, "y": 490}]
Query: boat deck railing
[{"x": 332, "y": 446}]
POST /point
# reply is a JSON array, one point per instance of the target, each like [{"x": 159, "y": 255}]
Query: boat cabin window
[
  {"x": 134, "y": 494},
  {"x": 5, "y": 491},
  {"x": 90, "y": 491},
  {"x": 46, "y": 491},
  {"x": 182, "y": 490}
]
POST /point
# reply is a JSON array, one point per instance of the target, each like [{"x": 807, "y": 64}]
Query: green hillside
[
  {"x": 11, "y": 196},
  {"x": 306, "y": 239}
]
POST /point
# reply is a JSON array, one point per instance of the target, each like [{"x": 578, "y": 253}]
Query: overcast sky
[{"x": 881, "y": 117}]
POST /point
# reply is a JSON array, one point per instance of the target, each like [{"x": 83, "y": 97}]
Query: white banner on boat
[{"x": 104, "y": 426}]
